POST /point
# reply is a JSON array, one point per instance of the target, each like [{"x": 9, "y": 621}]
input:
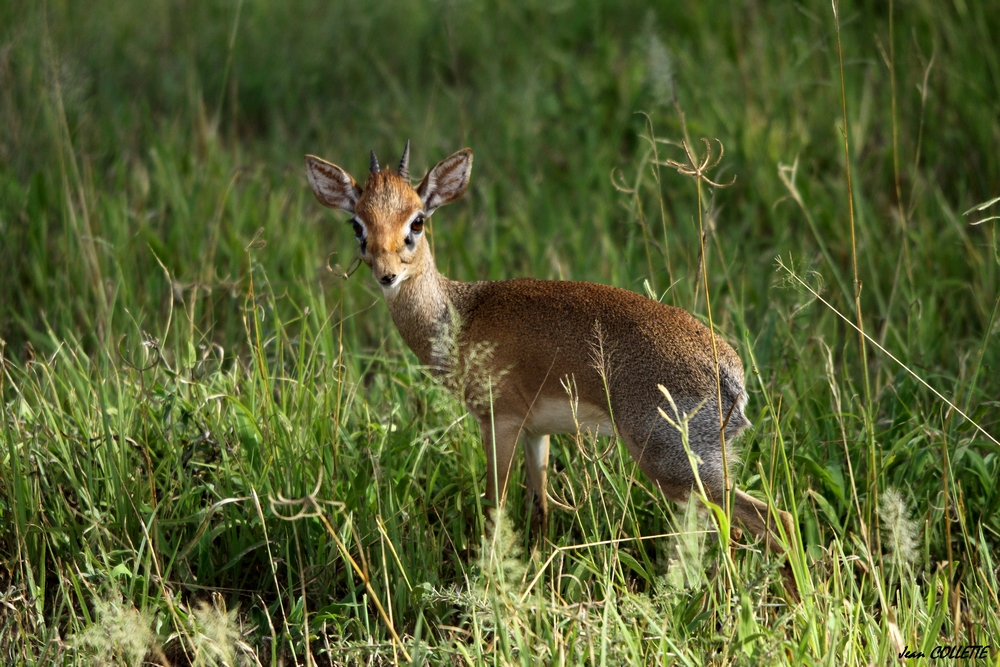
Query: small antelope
[{"x": 612, "y": 347}]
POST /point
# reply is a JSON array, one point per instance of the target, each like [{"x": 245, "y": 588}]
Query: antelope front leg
[
  {"x": 536, "y": 455},
  {"x": 500, "y": 441}
]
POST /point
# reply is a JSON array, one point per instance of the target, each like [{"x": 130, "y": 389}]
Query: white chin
[{"x": 390, "y": 291}]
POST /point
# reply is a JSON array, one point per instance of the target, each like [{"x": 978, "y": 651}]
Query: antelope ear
[
  {"x": 332, "y": 186},
  {"x": 447, "y": 181}
]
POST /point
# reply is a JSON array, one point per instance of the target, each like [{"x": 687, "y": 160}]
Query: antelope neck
[{"x": 419, "y": 310}]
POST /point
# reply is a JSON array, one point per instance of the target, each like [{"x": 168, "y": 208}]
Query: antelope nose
[{"x": 387, "y": 279}]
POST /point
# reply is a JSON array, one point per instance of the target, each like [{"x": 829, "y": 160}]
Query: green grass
[{"x": 217, "y": 450}]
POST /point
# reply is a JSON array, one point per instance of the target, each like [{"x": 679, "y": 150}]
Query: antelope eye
[
  {"x": 418, "y": 224},
  {"x": 358, "y": 229}
]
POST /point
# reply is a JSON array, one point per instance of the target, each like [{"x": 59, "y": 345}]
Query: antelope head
[{"x": 388, "y": 213}]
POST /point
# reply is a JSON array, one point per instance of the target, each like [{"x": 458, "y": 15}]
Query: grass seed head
[{"x": 901, "y": 533}]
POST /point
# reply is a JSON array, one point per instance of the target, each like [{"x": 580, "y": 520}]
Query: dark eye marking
[
  {"x": 416, "y": 227},
  {"x": 359, "y": 233}
]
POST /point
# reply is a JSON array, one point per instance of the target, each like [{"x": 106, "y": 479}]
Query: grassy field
[{"x": 217, "y": 450}]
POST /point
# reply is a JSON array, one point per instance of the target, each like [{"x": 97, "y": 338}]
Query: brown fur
[{"x": 522, "y": 342}]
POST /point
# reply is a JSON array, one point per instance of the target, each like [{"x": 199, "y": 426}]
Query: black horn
[
  {"x": 404, "y": 163},
  {"x": 374, "y": 167}
]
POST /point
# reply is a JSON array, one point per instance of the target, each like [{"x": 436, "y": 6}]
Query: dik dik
[{"x": 541, "y": 335}]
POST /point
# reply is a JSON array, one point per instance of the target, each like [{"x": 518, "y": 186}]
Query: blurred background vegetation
[
  {"x": 154, "y": 215},
  {"x": 145, "y": 103}
]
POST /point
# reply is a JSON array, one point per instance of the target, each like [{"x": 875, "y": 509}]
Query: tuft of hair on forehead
[{"x": 386, "y": 192}]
